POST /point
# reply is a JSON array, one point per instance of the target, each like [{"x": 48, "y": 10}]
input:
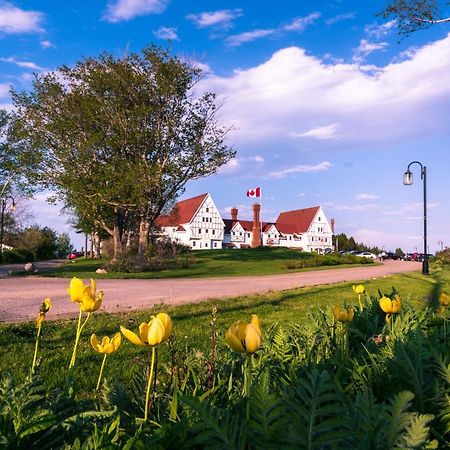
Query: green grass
[
  {"x": 206, "y": 263},
  {"x": 191, "y": 327}
]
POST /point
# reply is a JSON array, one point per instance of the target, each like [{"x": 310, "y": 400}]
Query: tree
[
  {"x": 413, "y": 15},
  {"x": 41, "y": 242},
  {"x": 119, "y": 138},
  {"x": 63, "y": 245},
  {"x": 399, "y": 253}
]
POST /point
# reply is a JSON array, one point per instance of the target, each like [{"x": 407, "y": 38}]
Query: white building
[{"x": 195, "y": 222}]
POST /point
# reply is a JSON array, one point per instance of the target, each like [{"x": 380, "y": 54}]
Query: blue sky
[{"x": 328, "y": 104}]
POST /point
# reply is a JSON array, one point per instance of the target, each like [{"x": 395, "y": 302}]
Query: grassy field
[
  {"x": 211, "y": 263},
  {"x": 191, "y": 327}
]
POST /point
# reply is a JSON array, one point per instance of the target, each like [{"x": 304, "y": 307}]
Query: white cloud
[
  {"x": 301, "y": 23},
  {"x": 222, "y": 18},
  {"x": 4, "y": 90},
  {"x": 168, "y": 33},
  {"x": 351, "y": 208},
  {"x": 340, "y": 18},
  {"x": 293, "y": 90},
  {"x": 15, "y": 21},
  {"x": 236, "y": 40},
  {"x": 366, "y": 197},
  {"x": 390, "y": 241},
  {"x": 365, "y": 48},
  {"x": 378, "y": 31},
  {"x": 321, "y": 133},
  {"x": 302, "y": 168},
  {"x": 46, "y": 44},
  {"x": 241, "y": 163},
  {"x": 121, "y": 10},
  {"x": 24, "y": 64}
]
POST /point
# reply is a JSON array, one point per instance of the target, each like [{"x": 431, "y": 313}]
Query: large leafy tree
[
  {"x": 413, "y": 15},
  {"x": 119, "y": 137}
]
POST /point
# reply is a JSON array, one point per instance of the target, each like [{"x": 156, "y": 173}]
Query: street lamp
[
  {"x": 3, "y": 203},
  {"x": 408, "y": 180}
]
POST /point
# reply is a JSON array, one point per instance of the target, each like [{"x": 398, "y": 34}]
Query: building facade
[{"x": 197, "y": 223}]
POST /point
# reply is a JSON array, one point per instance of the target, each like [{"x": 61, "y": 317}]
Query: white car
[{"x": 367, "y": 255}]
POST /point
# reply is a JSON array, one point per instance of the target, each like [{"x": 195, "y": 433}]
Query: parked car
[
  {"x": 367, "y": 255},
  {"x": 74, "y": 255}
]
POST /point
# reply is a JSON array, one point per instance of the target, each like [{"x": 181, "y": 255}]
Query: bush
[
  {"x": 443, "y": 256},
  {"x": 161, "y": 255},
  {"x": 333, "y": 259}
]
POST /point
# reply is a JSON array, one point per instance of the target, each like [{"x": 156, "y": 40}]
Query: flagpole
[{"x": 260, "y": 219}]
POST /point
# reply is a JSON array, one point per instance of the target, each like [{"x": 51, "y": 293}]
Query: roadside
[
  {"x": 20, "y": 297},
  {"x": 6, "y": 269}
]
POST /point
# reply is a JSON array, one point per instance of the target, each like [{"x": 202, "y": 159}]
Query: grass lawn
[
  {"x": 191, "y": 327},
  {"x": 206, "y": 263}
]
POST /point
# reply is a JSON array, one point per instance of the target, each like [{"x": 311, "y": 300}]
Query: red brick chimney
[
  {"x": 332, "y": 225},
  {"x": 256, "y": 231},
  {"x": 234, "y": 214}
]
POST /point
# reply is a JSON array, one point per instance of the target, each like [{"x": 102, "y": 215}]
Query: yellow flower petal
[
  {"x": 93, "y": 288},
  {"x": 168, "y": 325},
  {"x": 132, "y": 337},
  {"x": 46, "y": 305},
  {"x": 143, "y": 332},
  {"x": 252, "y": 338},
  {"x": 116, "y": 340},
  {"x": 156, "y": 332},
  {"x": 94, "y": 343},
  {"x": 359, "y": 289},
  {"x": 75, "y": 289},
  {"x": 233, "y": 341},
  {"x": 386, "y": 305}
]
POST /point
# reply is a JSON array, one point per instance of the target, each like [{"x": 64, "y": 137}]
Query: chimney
[
  {"x": 332, "y": 225},
  {"x": 234, "y": 214},
  {"x": 256, "y": 231}
]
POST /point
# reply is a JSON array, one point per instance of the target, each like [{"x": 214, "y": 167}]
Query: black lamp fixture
[{"x": 408, "y": 179}]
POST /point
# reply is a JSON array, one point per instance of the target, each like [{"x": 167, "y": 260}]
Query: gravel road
[{"x": 20, "y": 298}]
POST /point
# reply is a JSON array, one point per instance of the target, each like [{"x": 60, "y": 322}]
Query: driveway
[
  {"x": 6, "y": 269},
  {"x": 20, "y": 298}
]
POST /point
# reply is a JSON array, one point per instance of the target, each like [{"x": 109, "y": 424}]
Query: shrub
[
  {"x": 325, "y": 260},
  {"x": 443, "y": 256}
]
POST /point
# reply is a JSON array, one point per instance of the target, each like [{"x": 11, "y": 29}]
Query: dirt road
[{"x": 20, "y": 297}]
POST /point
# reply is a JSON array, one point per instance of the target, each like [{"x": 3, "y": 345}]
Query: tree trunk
[
  {"x": 91, "y": 250},
  {"x": 117, "y": 241},
  {"x": 143, "y": 237},
  {"x": 97, "y": 245}
]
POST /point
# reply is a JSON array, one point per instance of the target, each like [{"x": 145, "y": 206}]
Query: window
[
  {"x": 319, "y": 218},
  {"x": 207, "y": 209},
  {"x": 240, "y": 234},
  {"x": 213, "y": 231},
  {"x": 194, "y": 243},
  {"x": 206, "y": 244},
  {"x": 206, "y": 231},
  {"x": 215, "y": 244},
  {"x": 290, "y": 238},
  {"x": 203, "y": 219},
  {"x": 199, "y": 231},
  {"x": 248, "y": 235}
]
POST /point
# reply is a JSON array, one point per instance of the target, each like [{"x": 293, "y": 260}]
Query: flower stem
[
  {"x": 360, "y": 302},
  {"x": 77, "y": 338},
  {"x": 101, "y": 372},
  {"x": 36, "y": 348},
  {"x": 150, "y": 376}
]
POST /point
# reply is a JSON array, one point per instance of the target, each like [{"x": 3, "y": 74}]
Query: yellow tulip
[
  {"x": 390, "y": 306},
  {"x": 75, "y": 290},
  {"x": 46, "y": 305},
  {"x": 343, "y": 315},
  {"x": 90, "y": 301},
  {"x": 43, "y": 310},
  {"x": 153, "y": 333},
  {"x": 359, "y": 289},
  {"x": 244, "y": 337},
  {"x": 444, "y": 299},
  {"x": 106, "y": 345}
]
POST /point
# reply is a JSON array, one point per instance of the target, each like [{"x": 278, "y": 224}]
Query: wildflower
[
  {"x": 342, "y": 314},
  {"x": 244, "y": 337},
  {"x": 155, "y": 332},
  {"x": 390, "y": 306},
  {"x": 88, "y": 300},
  {"x": 151, "y": 334},
  {"x": 359, "y": 289},
  {"x": 444, "y": 300},
  {"x": 106, "y": 346},
  {"x": 43, "y": 310}
]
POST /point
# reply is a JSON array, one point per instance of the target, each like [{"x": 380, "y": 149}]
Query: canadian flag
[{"x": 256, "y": 192}]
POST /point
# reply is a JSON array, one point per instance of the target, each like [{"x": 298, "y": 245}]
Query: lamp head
[
  {"x": 408, "y": 178},
  {"x": 13, "y": 206}
]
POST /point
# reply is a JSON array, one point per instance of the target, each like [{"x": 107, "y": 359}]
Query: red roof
[
  {"x": 182, "y": 212},
  {"x": 297, "y": 221},
  {"x": 247, "y": 225}
]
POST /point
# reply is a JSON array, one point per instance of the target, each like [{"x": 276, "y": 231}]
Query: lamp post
[
  {"x": 407, "y": 181},
  {"x": 3, "y": 201}
]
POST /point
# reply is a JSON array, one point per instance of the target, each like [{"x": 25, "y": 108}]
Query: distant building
[{"x": 197, "y": 223}]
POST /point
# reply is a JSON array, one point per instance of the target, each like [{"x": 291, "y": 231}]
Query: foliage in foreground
[{"x": 365, "y": 383}]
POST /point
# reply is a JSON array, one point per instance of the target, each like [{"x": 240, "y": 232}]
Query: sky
[{"x": 328, "y": 104}]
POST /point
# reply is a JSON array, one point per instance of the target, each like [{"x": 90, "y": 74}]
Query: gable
[
  {"x": 182, "y": 212},
  {"x": 297, "y": 221}
]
